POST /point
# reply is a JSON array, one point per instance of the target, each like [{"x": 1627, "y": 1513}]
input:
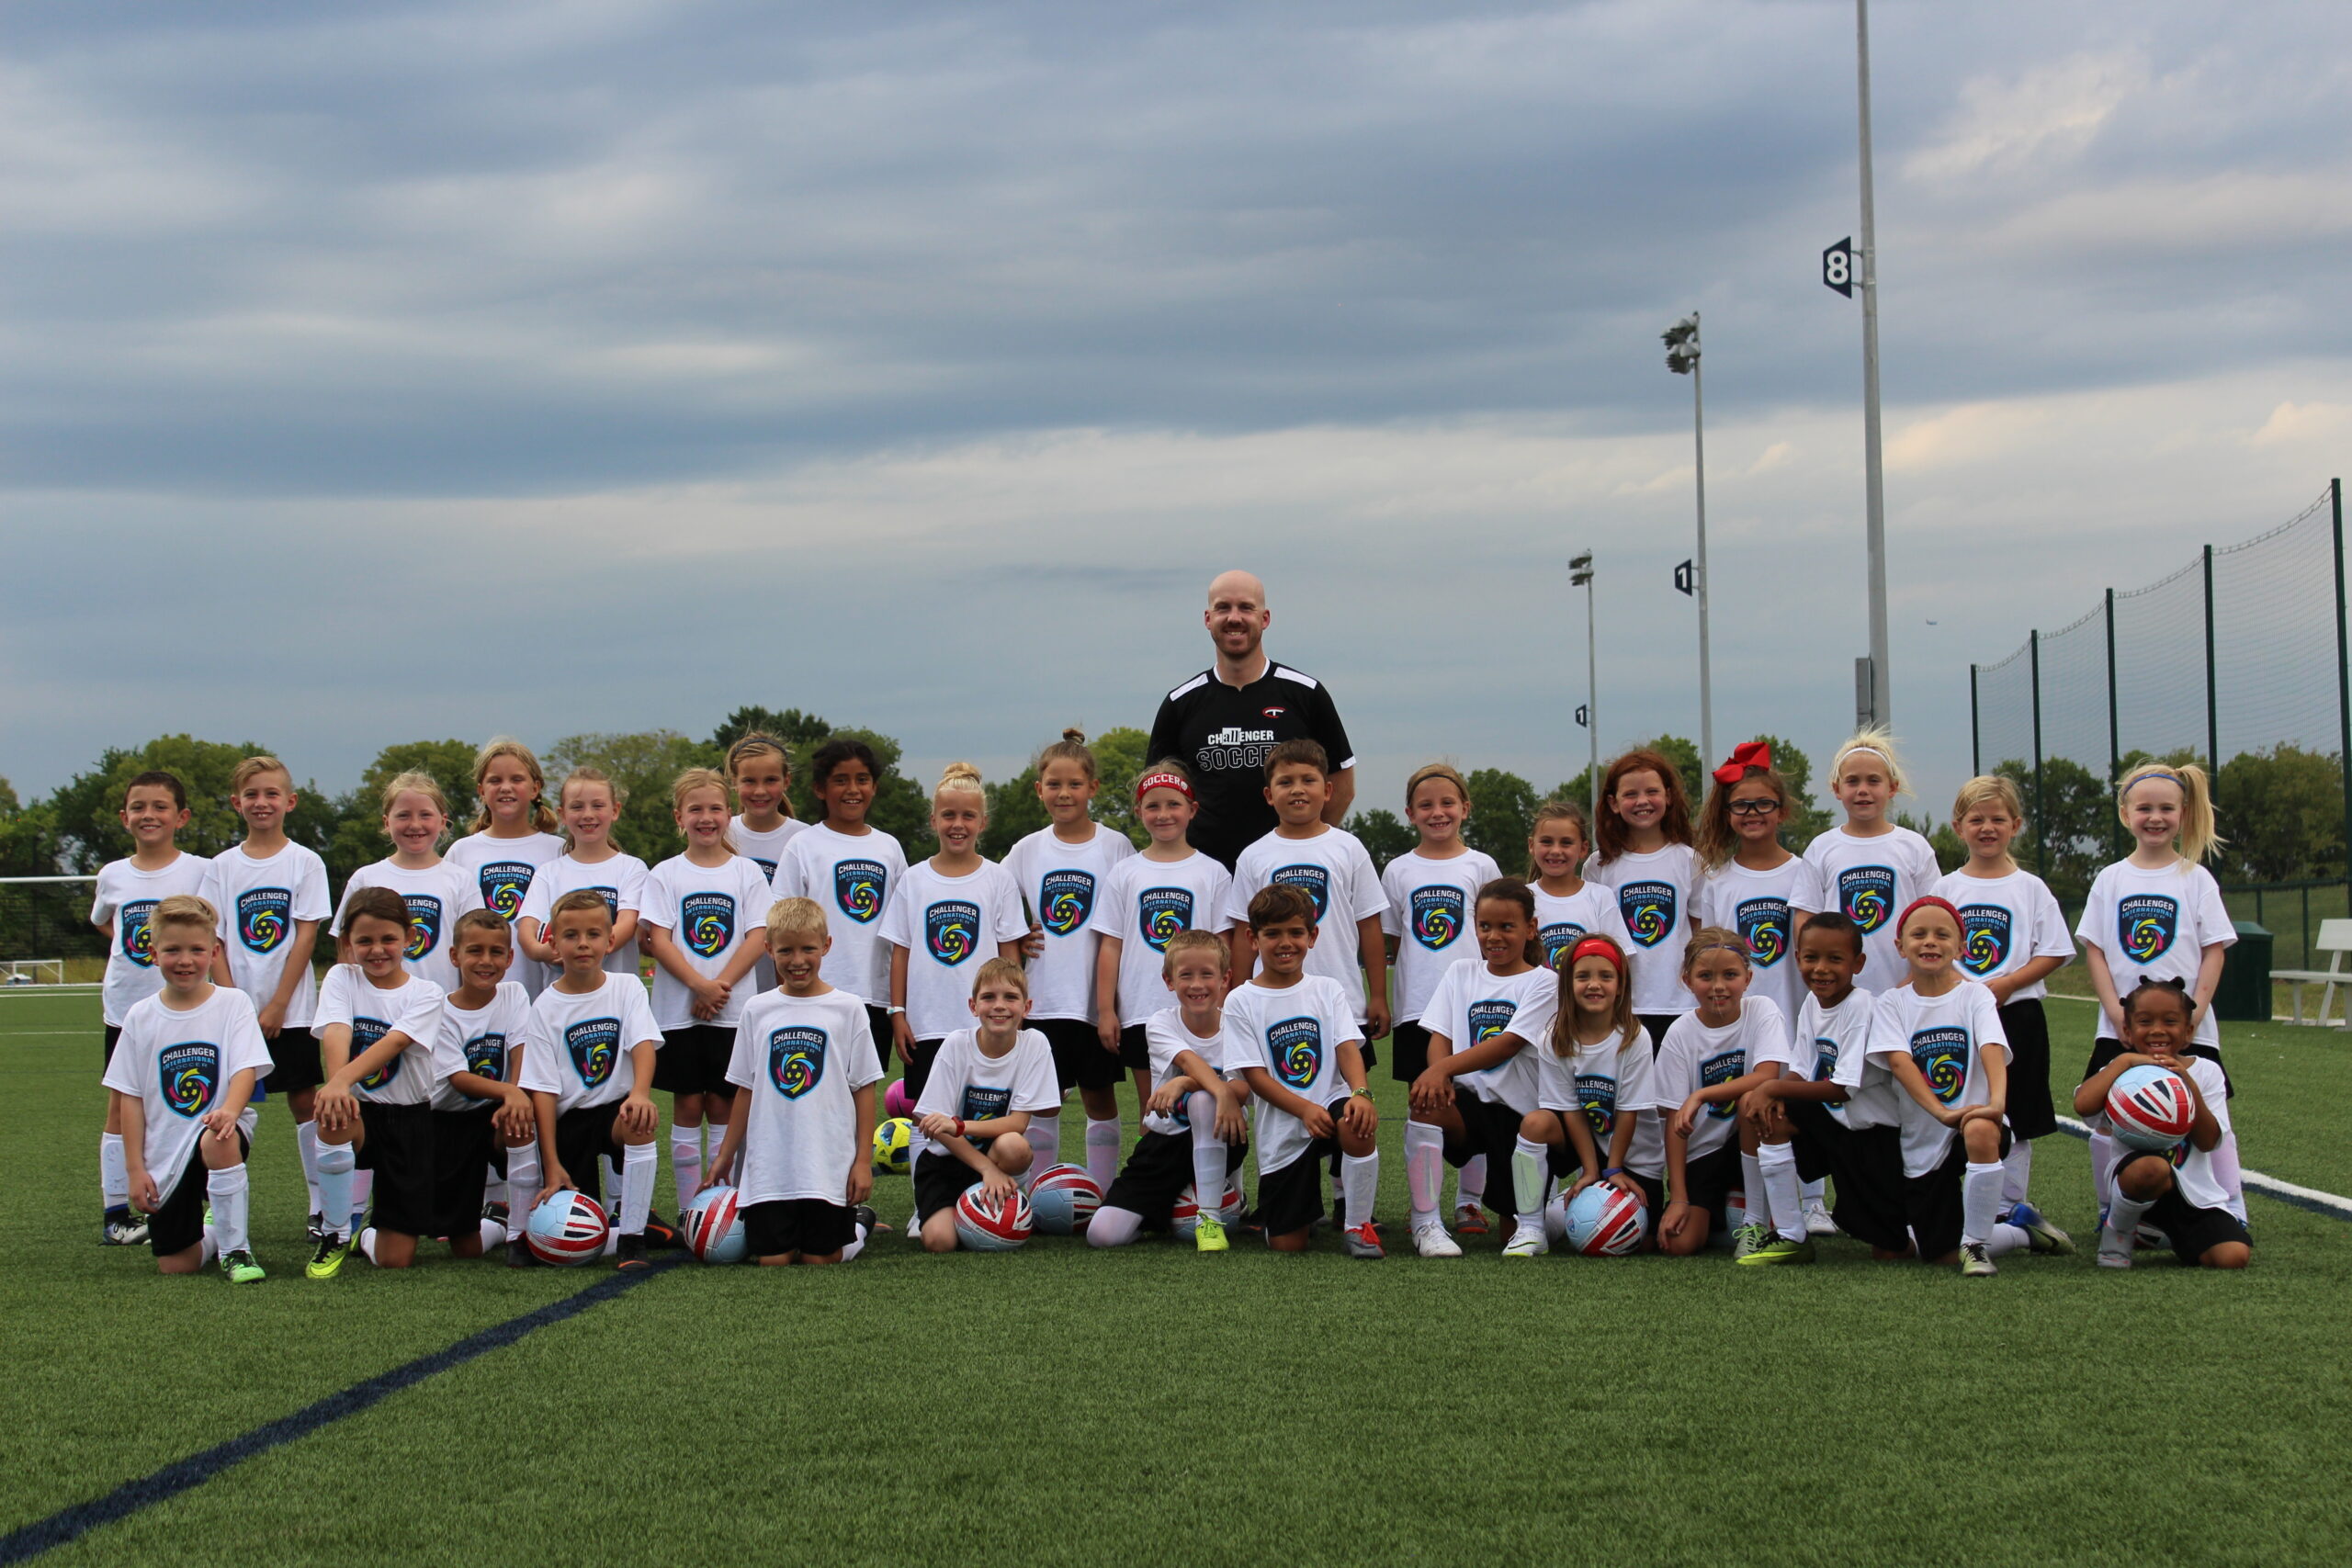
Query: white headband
[{"x": 1871, "y": 750}]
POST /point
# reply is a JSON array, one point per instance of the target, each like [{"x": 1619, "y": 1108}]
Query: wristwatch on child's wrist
[{"x": 1365, "y": 1092}]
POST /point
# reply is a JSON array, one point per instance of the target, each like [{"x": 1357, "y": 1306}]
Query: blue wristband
[{"x": 1613, "y": 1170}]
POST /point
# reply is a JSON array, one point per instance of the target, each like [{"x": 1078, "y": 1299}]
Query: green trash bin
[{"x": 2243, "y": 995}]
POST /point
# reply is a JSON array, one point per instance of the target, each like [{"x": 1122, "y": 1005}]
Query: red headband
[
  {"x": 1929, "y": 902},
  {"x": 1597, "y": 946},
  {"x": 1746, "y": 755},
  {"x": 1176, "y": 781}
]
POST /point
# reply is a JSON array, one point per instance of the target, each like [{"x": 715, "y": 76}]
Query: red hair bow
[{"x": 1746, "y": 755}]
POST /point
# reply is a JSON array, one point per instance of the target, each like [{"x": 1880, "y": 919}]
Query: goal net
[{"x": 46, "y": 938}]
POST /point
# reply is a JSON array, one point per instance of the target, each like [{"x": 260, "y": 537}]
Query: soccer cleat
[
  {"x": 1974, "y": 1262},
  {"x": 1208, "y": 1236},
  {"x": 1745, "y": 1239},
  {"x": 240, "y": 1267},
  {"x": 1527, "y": 1241},
  {"x": 519, "y": 1253},
  {"x": 1362, "y": 1241},
  {"x": 1780, "y": 1249},
  {"x": 1431, "y": 1240},
  {"x": 2114, "y": 1249},
  {"x": 2040, "y": 1234},
  {"x": 495, "y": 1213},
  {"x": 1469, "y": 1219},
  {"x": 632, "y": 1254},
  {"x": 865, "y": 1219},
  {"x": 659, "y": 1234},
  {"x": 315, "y": 1228},
  {"x": 123, "y": 1228},
  {"x": 1817, "y": 1218},
  {"x": 327, "y": 1261}
]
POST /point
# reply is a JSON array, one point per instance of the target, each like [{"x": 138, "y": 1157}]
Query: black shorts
[
  {"x": 461, "y": 1146},
  {"x": 179, "y": 1223},
  {"x": 918, "y": 1071},
  {"x": 1865, "y": 1166},
  {"x": 1657, "y": 1024},
  {"x": 878, "y": 1023},
  {"x": 2193, "y": 1231},
  {"x": 2027, "y": 1029},
  {"x": 1291, "y": 1199},
  {"x": 583, "y": 1141},
  {"x": 1079, "y": 1061},
  {"x": 294, "y": 1062},
  {"x": 113, "y": 1034},
  {"x": 1491, "y": 1129},
  {"x": 807, "y": 1225},
  {"x": 2104, "y": 1051},
  {"x": 398, "y": 1146},
  {"x": 1409, "y": 1052},
  {"x": 1932, "y": 1204},
  {"x": 1365, "y": 1047},
  {"x": 1712, "y": 1179},
  {"x": 1158, "y": 1172},
  {"x": 940, "y": 1180},
  {"x": 1653, "y": 1194},
  {"x": 694, "y": 1060},
  {"x": 1135, "y": 1049}
]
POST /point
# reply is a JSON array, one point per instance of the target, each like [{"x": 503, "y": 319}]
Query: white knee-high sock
[
  {"x": 336, "y": 1167},
  {"x": 1102, "y": 1149},
  {"x": 1531, "y": 1180},
  {"x": 2103, "y": 1169},
  {"x": 2125, "y": 1215},
  {"x": 1113, "y": 1227},
  {"x": 2224, "y": 1159},
  {"x": 636, "y": 1188},
  {"x": 1208, "y": 1151},
  {"x": 1045, "y": 1145},
  {"x": 229, "y": 1191},
  {"x": 2018, "y": 1173},
  {"x": 855, "y": 1244},
  {"x": 2006, "y": 1239},
  {"x": 363, "y": 1187},
  {"x": 493, "y": 1186},
  {"x": 1470, "y": 1186},
  {"x": 114, "y": 1171},
  {"x": 212, "y": 1248},
  {"x": 306, "y": 1145},
  {"x": 1783, "y": 1194},
  {"x": 1980, "y": 1199},
  {"x": 493, "y": 1235},
  {"x": 1359, "y": 1180},
  {"x": 612, "y": 1184},
  {"x": 685, "y": 1161},
  {"x": 367, "y": 1243},
  {"x": 1424, "y": 1170},
  {"x": 1816, "y": 1191},
  {"x": 521, "y": 1184},
  {"x": 1757, "y": 1203}
]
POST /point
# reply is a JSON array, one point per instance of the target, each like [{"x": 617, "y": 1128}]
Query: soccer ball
[
  {"x": 1184, "y": 1218},
  {"x": 984, "y": 1224},
  {"x": 715, "y": 1226},
  {"x": 1063, "y": 1199},
  {"x": 893, "y": 1147},
  {"x": 1606, "y": 1222},
  {"x": 567, "y": 1229},
  {"x": 896, "y": 1101},
  {"x": 2149, "y": 1108}
]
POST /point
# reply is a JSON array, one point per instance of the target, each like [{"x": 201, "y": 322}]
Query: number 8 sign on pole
[{"x": 1837, "y": 267}]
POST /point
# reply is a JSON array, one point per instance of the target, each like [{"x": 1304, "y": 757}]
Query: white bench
[{"x": 2335, "y": 941}]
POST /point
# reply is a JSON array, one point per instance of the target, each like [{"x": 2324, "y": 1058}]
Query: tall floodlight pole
[
  {"x": 1874, "y": 493},
  {"x": 1580, "y": 576},
  {"x": 1682, "y": 358}
]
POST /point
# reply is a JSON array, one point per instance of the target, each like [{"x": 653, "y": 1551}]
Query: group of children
[{"x": 1723, "y": 1031}]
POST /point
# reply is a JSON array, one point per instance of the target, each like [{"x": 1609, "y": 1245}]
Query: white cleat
[
  {"x": 1431, "y": 1240},
  {"x": 1817, "y": 1218},
  {"x": 1527, "y": 1241}
]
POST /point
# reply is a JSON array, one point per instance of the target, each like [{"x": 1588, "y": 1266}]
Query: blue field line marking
[
  {"x": 2309, "y": 1199},
  {"x": 69, "y": 1524}
]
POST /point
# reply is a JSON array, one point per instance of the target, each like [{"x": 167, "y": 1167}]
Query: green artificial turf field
[{"x": 1156, "y": 1406}]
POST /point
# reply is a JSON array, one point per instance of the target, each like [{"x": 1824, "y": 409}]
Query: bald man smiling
[{"x": 1221, "y": 722}]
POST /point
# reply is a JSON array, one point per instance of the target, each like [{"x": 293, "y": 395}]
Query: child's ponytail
[
  {"x": 1070, "y": 748},
  {"x": 2200, "y": 834}
]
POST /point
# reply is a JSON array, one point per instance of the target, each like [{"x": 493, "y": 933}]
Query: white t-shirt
[
  {"x": 1694, "y": 1057},
  {"x": 949, "y": 926},
  {"x": 1945, "y": 1037},
  {"x": 1599, "y": 1081},
  {"x": 1833, "y": 1043},
  {"x": 966, "y": 1083},
  {"x": 852, "y": 878},
  {"x": 1144, "y": 903},
  {"x": 502, "y": 870},
  {"x": 436, "y": 896},
  {"x": 1293, "y": 1032},
  {"x": 2155, "y": 925},
  {"x": 1472, "y": 1005},
  {"x": 1654, "y": 892},
  {"x": 766, "y": 849},
  {"x": 1764, "y": 907},
  {"x": 481, "y": 1042},
  {"x": 1433, "y": 914},
  {"x": 2005, "y": 922},
  {"x": 1063, "y": 883},
  {"x": 620, "y": 878},
  {"x": 711, "y": 912},
  {"x": 804, "y": 1059},
  {"x": 1336, "y": 869},
  {"x": 260, "y": 902},
  {"x": 1166, "y": 1035},
  {"x": 414, "y": 1007},
  {"x": 2192, "y": 1167},
  {"x": 577, "y": 1047},
  {"x": 127, "y": 896},
  {"x": 1561, "y": 922},
  {"x": 1872, "y": 881},
  {"x": 179, "y": 1065}
]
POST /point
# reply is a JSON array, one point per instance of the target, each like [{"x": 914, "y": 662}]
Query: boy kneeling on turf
[
  {"x": 804, "y": 1071},
  {"x": 1295, "y": 1039},
  {"x": 183, "y": 1070},
  {"x": 589, "y": 1107},
  {"x": 1194, "y": 1128},
  {"x": 974, "y": 1109}
]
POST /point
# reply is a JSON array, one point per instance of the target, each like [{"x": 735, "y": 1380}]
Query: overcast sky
[{"x": 373, "y": 373}]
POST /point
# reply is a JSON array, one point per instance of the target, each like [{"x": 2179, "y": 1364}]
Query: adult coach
[{"x": 1223, "y": 722}]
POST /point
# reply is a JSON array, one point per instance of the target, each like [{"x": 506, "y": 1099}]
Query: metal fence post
[
  {"x": 2343, "y": 675},
  {"x": 2212, "y": 699},
  {"x": 2040, "y": 817},
  {"x": 1976, "y": 731},
  {"x": 2115, "y": 834}
]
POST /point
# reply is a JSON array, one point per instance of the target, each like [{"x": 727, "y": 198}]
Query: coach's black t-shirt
[{"x": 1222, "y": 735}]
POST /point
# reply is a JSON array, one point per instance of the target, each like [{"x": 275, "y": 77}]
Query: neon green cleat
[
  {"x": 1208, "y": 1236},
  {"x": 1780, "y": 1249},
  {"x": 327, "y": 1261},
  {"x": 240, "y": 1267},
  {"x": 1745, "y": 1239}
]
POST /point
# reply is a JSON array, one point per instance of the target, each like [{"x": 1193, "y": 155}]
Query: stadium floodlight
[
  {"x": 1580, "y": 576},
  {"x": 1682, "y": 358}
]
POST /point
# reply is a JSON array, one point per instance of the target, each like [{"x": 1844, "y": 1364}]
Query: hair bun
[
  {"x": 1075, "y": 735},
  {"x": 958, "y": 776}
]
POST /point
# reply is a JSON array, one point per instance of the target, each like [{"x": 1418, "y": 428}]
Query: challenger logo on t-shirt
[
  {"x": 263, "y": 917},
  {"x": 1597, "y": 1096},
  {"x": 1295, "y": 1047},
  {"x": 190, "y": 1076},
  {"x": 858, "y": 889},
  {"x": 503, "y": 883},
  {"x": 1719, "y": 1069},
  {"x": 952, "y": 930},
  {"x": 1867, "y": 895},
  {"x": 1160, "y": 913},
  {"x": 707, "y": 923},
  {"x": 1824, "y": 1059},
  {"x": 1557, "y": 940},
  {"x": 2145, "y": 923},
  {"x": 365, "y": 1032},
  {"x": 131, "y": 925},
  {"x": 1316, "y": 879},
  {"x": 1490, "y": 1018},
  {"x": 796, "y": 1059},
  {"x": 1649, "y": 910},
  {"x": 424, "y": 924},
  {"x": 1984, "y": 939},
  {"x": 486, "y": 1057},
  {"x": 1941, "y": 1056},
  {"x": 1764, "y": 923},
  {"x": 594, "y": 1045},
  {"x": 1437, "y": 916},
  {"x": 984, "y": 1100},
  {"x": 1064, "y": 900}
]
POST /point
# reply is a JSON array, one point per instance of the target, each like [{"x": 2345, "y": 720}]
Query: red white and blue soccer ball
[
  {"x": 1063, "y": 1199},
  {"x": 986, "y": 1223},
  {"x": 1604, "y": 1221},
  {"x": 1184, "y": 1218},
  {"x": 2150, "y": 1109},
  {"x": 567, "y": 1229},
  {"x": 715, "y": 1226}
]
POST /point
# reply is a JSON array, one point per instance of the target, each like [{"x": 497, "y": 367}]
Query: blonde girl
[
  {"x": 705, "y": 923},
  {"x": 1568, "y": 908},
  {"x": 513, "y": 835},
  {"x": 1062, "y": 870},
  {"x": 2157, "y": 915},
  {"x": 850, "y": 869},
  {"x": 588, "y": 804},
  {"x": 416, "y": 815},
  {"x": 1169, "y": 887},
  {"x": 1432, "y": 892},
  {"x": 1646, "y": 859},
  {"x": 1731, "y": 1041},
  {"x": 760, "y": 769},
  {"x": 1592, "y": 1097},
  {"x": 1869, "y": 866},
  {"x": 948, "y": 914}
]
